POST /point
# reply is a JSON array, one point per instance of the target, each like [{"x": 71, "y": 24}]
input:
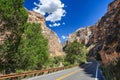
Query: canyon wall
[
  {"x": 107, "y": 34},
  {"x": 55, "y": 48},
  {"x": 104, "y": 36}
]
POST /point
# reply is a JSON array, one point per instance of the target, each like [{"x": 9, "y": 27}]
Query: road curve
[{"x": 87, "y": 71}]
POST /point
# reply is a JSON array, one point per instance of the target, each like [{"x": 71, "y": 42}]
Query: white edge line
[{"x": 96, "y": 76}]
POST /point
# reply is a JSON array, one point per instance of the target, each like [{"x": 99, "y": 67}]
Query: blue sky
[{"x": 66, "y": 16}]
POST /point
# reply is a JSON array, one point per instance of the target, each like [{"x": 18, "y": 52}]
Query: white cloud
[
  {"x": 64, "y": 37},
  {"x": 54, "y": 9},
  {"x": 54, "y": 25},
  {"x": 63, "y": 23}
]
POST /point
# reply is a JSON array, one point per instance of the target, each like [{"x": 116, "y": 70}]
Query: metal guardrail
[{"x": 19, "y": 76}]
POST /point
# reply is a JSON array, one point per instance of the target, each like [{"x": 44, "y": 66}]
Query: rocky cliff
[
  {"x": 54, "y": 45},
  {"x": 103, "y": 36},
  {"x": 82, "y": 35},
  {"x": 107, "y": 34}
]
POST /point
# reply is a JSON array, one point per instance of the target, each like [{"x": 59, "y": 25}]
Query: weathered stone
[
  {"x": 82, "y": 35},
  {"x": 54, "y": 45},
  {"x": 109, "y": 27},
  {"x": 104, "y": 36}
]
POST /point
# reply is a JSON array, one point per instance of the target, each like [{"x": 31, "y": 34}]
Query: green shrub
[{"x": 75, "y": 53}]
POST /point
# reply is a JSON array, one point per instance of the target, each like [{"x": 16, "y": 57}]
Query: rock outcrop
[
  {"x": 54, "y": 45},
  {"x": 55, "y": 48},
  {"x": 104, "y": 36},
  {"x": 83, "y": 35},
  {"x": 107, "y": 34}
]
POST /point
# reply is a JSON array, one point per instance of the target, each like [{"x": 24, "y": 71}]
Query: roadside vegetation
[
  {"x": 25, "y": 48},
  {"x": 75, "y": 53},
  {"x": 111, "y": 71}
]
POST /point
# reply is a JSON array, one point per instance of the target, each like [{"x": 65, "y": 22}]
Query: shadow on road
[{"x": 90, "y": 69}]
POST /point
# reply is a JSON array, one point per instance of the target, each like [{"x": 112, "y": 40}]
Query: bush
[
  {"x": 56, "y": 61},
  {"x": 66, "y": 63},
  {"x": 111, "y": 72}
]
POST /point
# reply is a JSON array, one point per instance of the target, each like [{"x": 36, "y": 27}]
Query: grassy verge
[{"x": 111, "y": 72}]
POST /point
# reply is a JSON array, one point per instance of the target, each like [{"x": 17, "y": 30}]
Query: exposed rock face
[
  {"x": 113, "y": 5},
  {"x": 82, "y": 35},
  {"x": 55, "y": 47},
  {"x": 105, "y": 35}
]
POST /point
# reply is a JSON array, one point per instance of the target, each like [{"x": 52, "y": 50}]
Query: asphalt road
[{"x": 88, "y": 71}]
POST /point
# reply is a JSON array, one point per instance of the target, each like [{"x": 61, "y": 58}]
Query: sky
[{"x": 64, "y": 17}]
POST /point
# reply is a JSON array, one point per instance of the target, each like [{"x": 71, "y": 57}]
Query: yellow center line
[{"x": 62, "y": 77}]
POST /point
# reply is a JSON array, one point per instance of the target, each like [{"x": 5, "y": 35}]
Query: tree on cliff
[{"x": 76, "y": 53}]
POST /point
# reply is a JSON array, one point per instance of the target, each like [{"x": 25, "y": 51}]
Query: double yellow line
[{"x": 62, "y": 77}]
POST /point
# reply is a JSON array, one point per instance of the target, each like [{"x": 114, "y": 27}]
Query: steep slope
[
  {"x": 55, "y": 47},
  {"x": 83, "y": 35},
  {"x": 107, "y": 34},
  {"x": 104, "y": 37}
]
